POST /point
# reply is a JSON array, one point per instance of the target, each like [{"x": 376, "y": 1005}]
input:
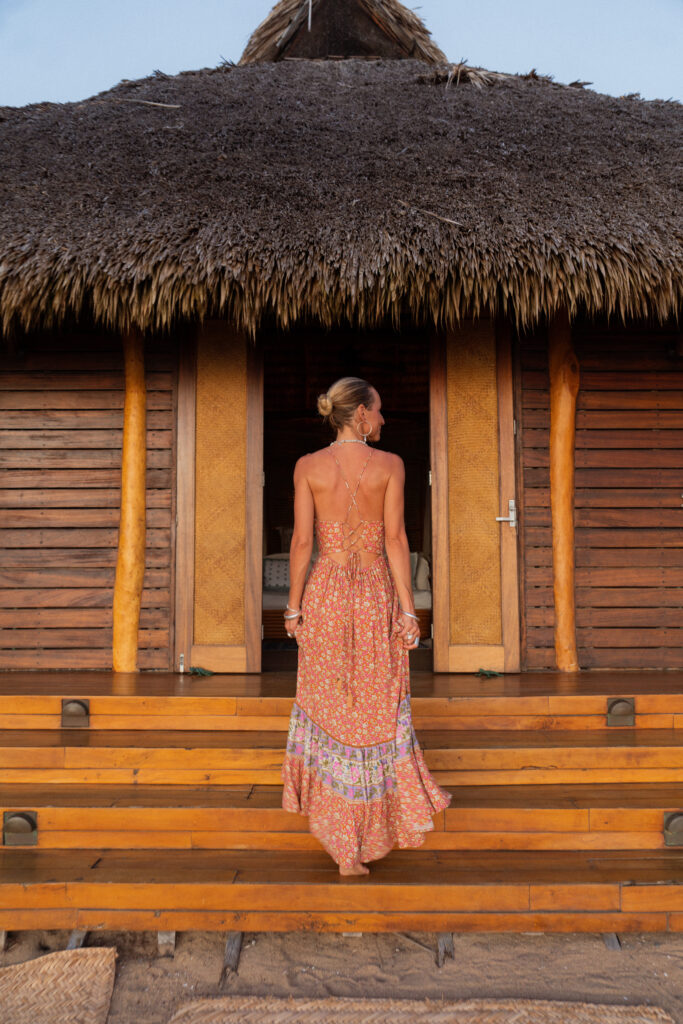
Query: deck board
[
  {"x": 437, "y": 869},
  {"x": 254, "y": 797},
  {"x": 430, "y": 740},
  {"x": 283, "y": 684}
]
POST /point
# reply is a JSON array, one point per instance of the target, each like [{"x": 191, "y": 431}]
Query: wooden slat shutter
[
  {"x": 628, "y": 515},
  {"x": 61, "y": 403}
]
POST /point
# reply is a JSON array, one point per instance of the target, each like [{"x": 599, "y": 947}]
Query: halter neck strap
[{"x": 355, "y": 491}]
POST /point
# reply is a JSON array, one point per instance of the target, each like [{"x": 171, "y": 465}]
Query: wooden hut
[{"x": 185, "y": 263}]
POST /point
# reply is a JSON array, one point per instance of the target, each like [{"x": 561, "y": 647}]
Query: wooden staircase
[{"x": 164, "y": 811}]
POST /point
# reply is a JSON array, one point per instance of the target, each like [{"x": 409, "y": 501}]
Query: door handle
[{"x": 512, "y": 517}]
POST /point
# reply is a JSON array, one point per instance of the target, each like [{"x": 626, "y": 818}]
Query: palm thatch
[
  {"x": 345, "y": 190},
  {"x": 406, "y": 31}
]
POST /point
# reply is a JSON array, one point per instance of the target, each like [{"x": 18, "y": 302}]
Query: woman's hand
[
  {"x": 408, "y": 630},
  {"x": 292, "y": 624}
]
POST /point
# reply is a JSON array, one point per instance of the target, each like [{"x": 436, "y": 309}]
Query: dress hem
[{"x": 352, "y": 830}]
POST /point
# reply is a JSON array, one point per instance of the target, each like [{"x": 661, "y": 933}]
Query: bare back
[{"x": 348, "y": 483}]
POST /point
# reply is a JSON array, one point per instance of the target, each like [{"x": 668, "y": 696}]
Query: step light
[
  {"x": 20, "y": 828},
  {"x": 673, "y": 828},
  {"x": 75, "y": 713},
  {"x": 621, "y": 711}
]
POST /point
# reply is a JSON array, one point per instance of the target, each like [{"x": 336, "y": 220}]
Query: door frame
[
  {"x": 448, "y": 657},
  {"x": 185, "y": 456},
  {"x": 509, "y": 548}
]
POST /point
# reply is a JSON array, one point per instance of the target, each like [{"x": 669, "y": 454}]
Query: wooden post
[
  {"x": 564, "y": 387},
  {"x": 130, "y": 563},
  {"x": 231, "y": 958}
]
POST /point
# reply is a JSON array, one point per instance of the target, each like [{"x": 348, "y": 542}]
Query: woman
[{"x": 353, "y": 763}]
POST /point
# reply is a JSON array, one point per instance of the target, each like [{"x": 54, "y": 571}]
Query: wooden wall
[
  {"x": 628, "y": 515},
  {"x": 61, "y": 410}
]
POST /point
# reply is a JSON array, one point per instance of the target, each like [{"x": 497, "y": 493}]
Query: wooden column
[
  {"x": 564, "y": 387},
  {"x": 130, "y": 563}
]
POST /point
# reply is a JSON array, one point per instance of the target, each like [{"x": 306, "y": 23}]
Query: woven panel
[
  {"x": 73, "y": 986},
  {"x": 220, "y": 487},
  {"x": 473, "y": 498},
  {"x": 271, "y": 1010}
]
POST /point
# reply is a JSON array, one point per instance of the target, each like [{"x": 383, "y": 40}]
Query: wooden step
[
  {"x": 251, "y": 817},
  {"x": 600, "y": 891},
  {"x": 544, "y": 701},
  {"x": 481, "y": 757}
]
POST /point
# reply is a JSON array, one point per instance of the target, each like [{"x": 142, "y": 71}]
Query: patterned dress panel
[{"x": 353, "y": 763}]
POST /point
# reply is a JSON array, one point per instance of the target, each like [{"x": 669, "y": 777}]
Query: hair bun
[{"x": 325, "y": 405}]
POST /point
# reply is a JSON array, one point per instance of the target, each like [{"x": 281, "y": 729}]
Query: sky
[{"x": 67, "y": 50}]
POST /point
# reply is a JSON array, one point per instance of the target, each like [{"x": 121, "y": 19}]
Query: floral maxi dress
[{"x": 353, "y": 763}]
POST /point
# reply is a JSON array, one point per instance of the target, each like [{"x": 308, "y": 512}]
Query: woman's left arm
[{"x": 301, "y": 547}]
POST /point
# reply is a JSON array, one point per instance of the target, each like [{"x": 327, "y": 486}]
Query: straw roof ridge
[
  {"x": 353, "y": 190},
  {"x": 270, "y": 38}
]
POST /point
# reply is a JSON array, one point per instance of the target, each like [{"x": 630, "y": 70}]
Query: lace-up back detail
[
  {"x": 331, "y": 537},
  {"x": 338, "y": 535}
]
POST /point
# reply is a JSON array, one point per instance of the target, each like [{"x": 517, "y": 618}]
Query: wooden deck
[
  {"x": 283, "y": 891},
  {"x": 166, "y": 811}
]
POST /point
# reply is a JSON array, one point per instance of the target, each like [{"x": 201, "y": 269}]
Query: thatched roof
[
  {"x": 403, "y": 31},
  {"x": 343, "y": 189}
]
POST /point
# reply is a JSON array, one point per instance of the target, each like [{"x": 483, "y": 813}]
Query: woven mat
[
  {"x": 72, "y": 986},
  {"x": 256, "y": 1010}
]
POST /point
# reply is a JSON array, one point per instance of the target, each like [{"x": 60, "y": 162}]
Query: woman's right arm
[{"x": 396, "y": 541}]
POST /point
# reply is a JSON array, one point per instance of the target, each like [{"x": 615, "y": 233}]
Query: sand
[{"x": 647, "y": 969}]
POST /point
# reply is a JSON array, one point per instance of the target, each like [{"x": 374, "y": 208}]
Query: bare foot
[{"x": 356, "y": 869}]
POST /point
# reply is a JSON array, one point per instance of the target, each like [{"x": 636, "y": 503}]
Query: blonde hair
[{"x": 338, "y": 404}]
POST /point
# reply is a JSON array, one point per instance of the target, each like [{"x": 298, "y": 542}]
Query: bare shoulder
[
  {"x": 393, "y": 462},
  {"x": 309, "y": 461},
  {"x": 311, "y": 467},
  {"x": 303, "y": 465}
]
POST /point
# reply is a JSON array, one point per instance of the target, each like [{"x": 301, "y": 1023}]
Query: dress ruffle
[{"x": 361, "y": 801}]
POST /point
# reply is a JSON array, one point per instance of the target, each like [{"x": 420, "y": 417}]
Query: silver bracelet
[
  {"x": 408, "y": 613},
  {"x": 294, "y": 616}
]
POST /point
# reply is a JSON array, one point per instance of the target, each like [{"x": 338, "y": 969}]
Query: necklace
[{"x": 350, "y": 440}]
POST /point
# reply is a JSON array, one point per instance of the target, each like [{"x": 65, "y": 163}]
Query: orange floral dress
[{"x": 353, "y": 763}]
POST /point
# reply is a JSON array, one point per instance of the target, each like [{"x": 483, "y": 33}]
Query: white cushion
[
  {"x": 276, "y": 572},
  {"x": 421, "y": 579}
]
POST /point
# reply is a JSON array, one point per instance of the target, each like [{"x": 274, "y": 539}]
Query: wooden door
[
  {"x": 220, "y": 502},
  {"x": 475, "y": 588}
]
